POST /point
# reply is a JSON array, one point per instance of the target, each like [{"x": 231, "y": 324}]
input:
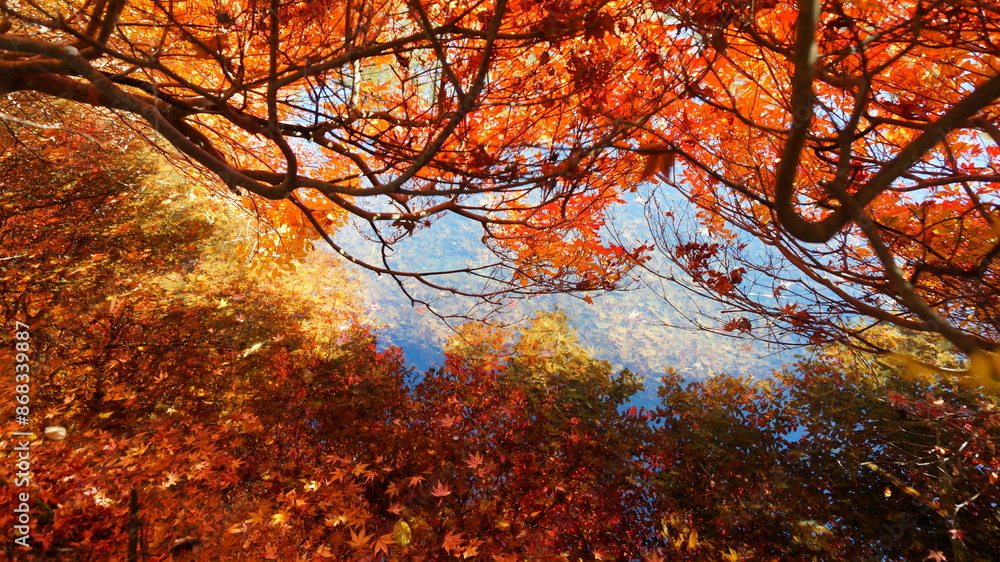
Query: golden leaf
[
  {"x": 401, "y": 534},
  {"x": 693, "y": 541}
]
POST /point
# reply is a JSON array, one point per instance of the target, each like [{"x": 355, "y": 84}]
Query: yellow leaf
[
  {"x": 401, "y": 533},
  {"x": 984, "y": 367},
  {"x": 693, "y": 541}
]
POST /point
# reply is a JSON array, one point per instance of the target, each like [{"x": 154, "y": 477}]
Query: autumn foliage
[
  {"x": 210, "y": 415},
  {"x": 222, "y": 394},
  {"x": 845, "y": 154},
  {"x": 866, "y": 128},
  {"x": 392, "y": 113}
]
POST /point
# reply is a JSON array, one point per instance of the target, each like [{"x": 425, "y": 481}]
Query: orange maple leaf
[
  {"x": 472, "y": 549},
  {"x": 382, "y": 544},
  {"x": 440, "y": 490},
  {"x": 453, "y": 542},
  {"x": 475, "y": 460},
  {"x": 392, "y": 490},
  {"x": 359, "y": 539}
]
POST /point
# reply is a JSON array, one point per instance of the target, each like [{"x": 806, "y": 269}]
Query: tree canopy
[
  {"x": 841, "y": 158},
  {"x": 856, "y": 140},
  {"x": 392, "y": 112},
  {"x": 205, "y": 411},
  {"x": 859, "y": 142}
]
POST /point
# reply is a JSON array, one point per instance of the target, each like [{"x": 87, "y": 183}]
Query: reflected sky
[{"x": 641, "y": 329}]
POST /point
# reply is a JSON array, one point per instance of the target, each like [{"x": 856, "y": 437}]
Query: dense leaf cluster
[{"x": 244, "y": 431}]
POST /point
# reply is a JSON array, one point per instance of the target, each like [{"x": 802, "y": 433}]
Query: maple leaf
[
  {"x": 440, "y": 490},
  {"x": 257, "y": 516},
  {"x": 170, "y": 480},
  {"x": 338, "y": 474},
  {"x": 359, "y": 539},
  {"x": 936, "y": 556},
  {"x": 382, "y": 544},
  {"x": 660, "y": 159},
  {"x": 453, "y": 542},
  {"x": 472, "y": 549},
  {"x": 475, "y": 460},
  {"x": 392, "y": 490}
]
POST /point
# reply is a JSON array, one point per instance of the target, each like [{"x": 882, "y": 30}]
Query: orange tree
[
  {"x": 531, "y": 443},
  {"x": 858, "y": 142},
  {"x": 201, "y": 391},
  {"x": 287, "y": 448},
  {"x": 393, "y": 113},
  {"x": 141, "y": 339}
]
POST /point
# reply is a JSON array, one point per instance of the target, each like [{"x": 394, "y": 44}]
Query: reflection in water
[{"x": 635, "y": 329}]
